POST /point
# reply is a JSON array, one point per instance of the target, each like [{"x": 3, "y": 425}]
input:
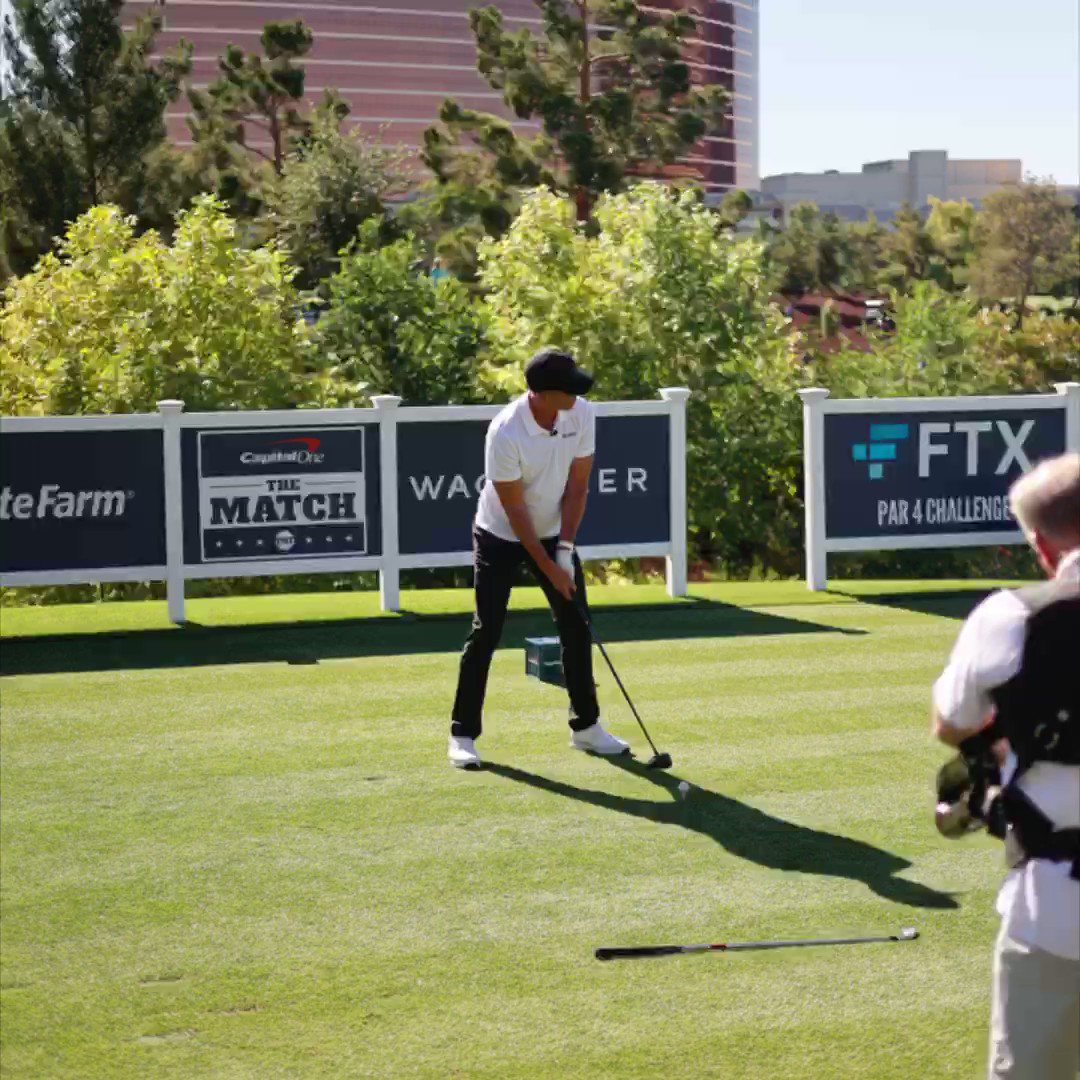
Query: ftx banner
[{"x": 926, "y": 474}]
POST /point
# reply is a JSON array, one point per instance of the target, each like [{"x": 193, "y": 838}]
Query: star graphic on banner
[
  {"x": 239, "y": 543},
  {"x": 219, "y": 544},
  {"x": 348, "y": 539},
  {"x": 307, "y": 539},
  {"x": 258, "y": 543},
  {"x": 329, "y": 540}
]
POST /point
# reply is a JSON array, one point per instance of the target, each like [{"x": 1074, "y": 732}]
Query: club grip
[{"x": 634, "y": 951}]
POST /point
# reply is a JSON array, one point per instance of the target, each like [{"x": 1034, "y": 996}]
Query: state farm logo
[
  {"x": 53, "y": 501},
  {"x": 307, "y": 454}
]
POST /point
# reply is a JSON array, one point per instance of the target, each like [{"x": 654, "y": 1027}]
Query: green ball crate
[{"x": 543, "y": 661}]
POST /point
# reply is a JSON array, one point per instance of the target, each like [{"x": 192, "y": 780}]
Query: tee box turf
[{"x": 543, "y": 660}]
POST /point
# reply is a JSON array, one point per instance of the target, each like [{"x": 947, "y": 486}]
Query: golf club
[
  {"x": 908, "y": 933},
  {"x": 659, "y": 760}
]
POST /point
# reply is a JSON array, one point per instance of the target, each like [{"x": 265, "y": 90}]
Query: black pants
[{"x": 495, "y": 565}]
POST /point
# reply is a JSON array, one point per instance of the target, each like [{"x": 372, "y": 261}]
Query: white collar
[
  {"x": 1069, "y": 567},
  {"x": 531, "y": 425}
]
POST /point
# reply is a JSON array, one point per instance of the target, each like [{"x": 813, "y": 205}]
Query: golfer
[
  {"x": 537, "y": 460},
  {"x": 1018, "y": 656}
]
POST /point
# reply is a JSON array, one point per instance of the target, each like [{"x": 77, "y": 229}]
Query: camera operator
[{"x": 1016, "y": 665}]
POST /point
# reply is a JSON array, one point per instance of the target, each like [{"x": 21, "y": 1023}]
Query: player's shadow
[{"x": 750, "y": 834}]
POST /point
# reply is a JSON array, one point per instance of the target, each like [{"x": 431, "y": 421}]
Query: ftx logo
[
  {"x": 934, "y": 442},
  {"x": 880, "y": 448}
]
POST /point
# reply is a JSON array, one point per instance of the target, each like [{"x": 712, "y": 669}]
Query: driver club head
[
  {"x": 659, "y": 761},
  {"x": 907, "y": 933}
]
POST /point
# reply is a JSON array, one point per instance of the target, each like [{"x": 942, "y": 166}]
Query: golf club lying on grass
[
  {"x": 658, "y": 760},
  {"x": 908, "y": 933}
]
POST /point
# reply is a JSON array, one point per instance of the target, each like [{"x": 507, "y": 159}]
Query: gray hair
[{"x": 1047, "y": 500}]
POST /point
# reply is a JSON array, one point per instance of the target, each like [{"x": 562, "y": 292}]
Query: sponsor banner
[
  {"x": 280, "y": 493},
  {"x": 74, "y": 500},
  {"x": 441, "y": 474},
  {"x": 921, "y": 474}
]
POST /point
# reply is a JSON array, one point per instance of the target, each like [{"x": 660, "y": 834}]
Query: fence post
[
  {"x": 1071, "y": 392},
  {"x": 677, "y": 397},
  {"x": 813, "y": 401},
  {"x": 174, "y": 509},
  {"x": 390, "y": 571}
]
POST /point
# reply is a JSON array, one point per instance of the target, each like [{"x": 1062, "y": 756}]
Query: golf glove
[{"x": 564, "y": 557}]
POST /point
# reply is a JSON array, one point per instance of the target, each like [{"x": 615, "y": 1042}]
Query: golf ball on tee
[{"x": 684, "y": 789}]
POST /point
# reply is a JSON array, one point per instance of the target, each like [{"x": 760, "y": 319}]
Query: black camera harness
[{"x": 1038, "y": 711}]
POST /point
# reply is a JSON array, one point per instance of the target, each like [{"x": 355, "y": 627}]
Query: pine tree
[
  {"x": 255, "y": 95},
  {"x": 84, "y": 108},
  {"x": 612, "y": 104}
]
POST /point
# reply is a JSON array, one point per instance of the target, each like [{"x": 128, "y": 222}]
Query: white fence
[{"x": 637, "y": 506}]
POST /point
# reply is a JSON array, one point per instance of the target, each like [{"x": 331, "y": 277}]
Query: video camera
[{"x": 969, "y": 788}]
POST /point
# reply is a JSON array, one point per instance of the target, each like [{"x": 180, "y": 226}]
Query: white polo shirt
[
  {"x": 518, "y": 448},
  {"x": 1039, "y": 902}
]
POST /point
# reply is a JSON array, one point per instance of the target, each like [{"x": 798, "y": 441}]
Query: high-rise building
[{"x": 395, "y": 61}]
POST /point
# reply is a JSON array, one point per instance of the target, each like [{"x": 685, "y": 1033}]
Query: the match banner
[
  {"x": 441, "y": 474},
  {"x": 81, "y": 500},
  {"x": 303, "y": 492},
  {"x": 892, "y": 473},
  {"x": 919, "y": 474}
]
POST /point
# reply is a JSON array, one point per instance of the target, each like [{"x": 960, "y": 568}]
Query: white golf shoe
[
  {"x": 462, "y": 753},
  {"x": 595, "y": 740}
]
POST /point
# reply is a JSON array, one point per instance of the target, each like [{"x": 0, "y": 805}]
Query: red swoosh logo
[{"x": 311, "y": 444}]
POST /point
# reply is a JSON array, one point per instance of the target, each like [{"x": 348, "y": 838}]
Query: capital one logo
[
  {"x": 882, "y": 447},
  {"x": 308, "y": 454}
]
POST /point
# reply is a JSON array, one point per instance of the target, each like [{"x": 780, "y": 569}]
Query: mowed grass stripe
[{"x": 266, "y": 869}]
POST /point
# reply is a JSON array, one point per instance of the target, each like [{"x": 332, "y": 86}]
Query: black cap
[{"x": 553, "y": 369}]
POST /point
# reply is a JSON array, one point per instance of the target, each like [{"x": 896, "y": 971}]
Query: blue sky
[{"x": 849, "y": 81}]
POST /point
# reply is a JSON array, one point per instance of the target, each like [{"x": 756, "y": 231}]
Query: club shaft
[
  {"x": 619, "y": 682},
  {"x": 611, "y": 666},
  {"x": 641, "y": 951},
  {"x": 734, "y": 946}
]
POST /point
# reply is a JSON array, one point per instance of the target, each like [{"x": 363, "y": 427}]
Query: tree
[
  {"x": 40, "y": 185},
  {"x": 906, "y": 250},
  {"x": 477, "y": 193},
  {"x": 331, "y": 183},
  {"x": 84, "y": 108},
  {"x": 807, "y": 253},
  {"x": 935, "y": 351},
  {"x": 114, "y": 322},
  {"x": 662, "y": 295},
  {"x": 950, "y": 228},
  {"x": 1070, "y": 284},
  {"x": 389, "y": 328},
  {"x": 734, "y": 208},
  {"x": 612, "y": 104},
  {"x": 860, "y": 256},
  {"x": 260, "y": 93},
  {"x": 1023, "y": 239}
]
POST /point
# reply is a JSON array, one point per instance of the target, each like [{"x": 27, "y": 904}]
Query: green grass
[
  {"x": 238, "y": 852},
  {"x": 319, "y": 607}
]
